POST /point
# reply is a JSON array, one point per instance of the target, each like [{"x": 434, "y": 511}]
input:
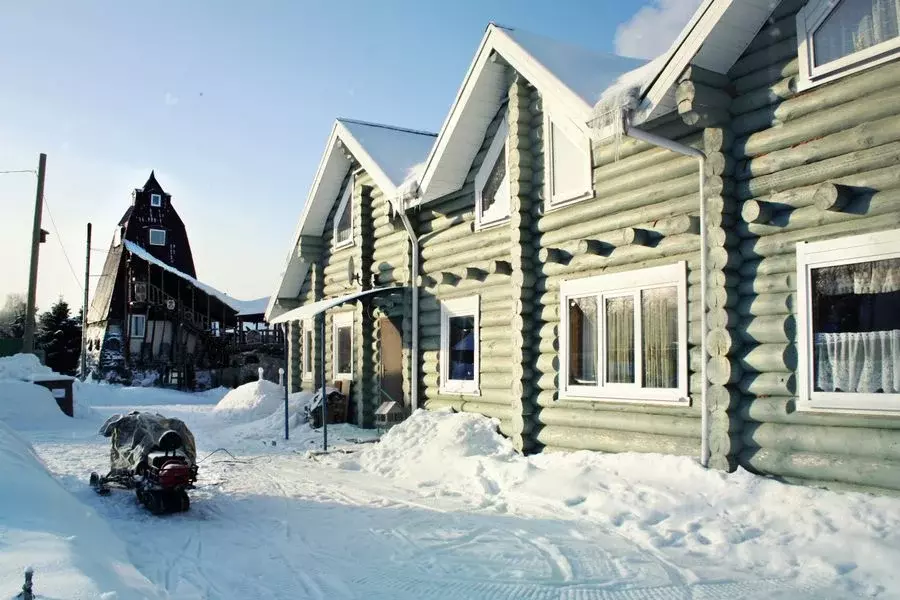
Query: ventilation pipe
[
  {"x": 674, "y": 146},
  {"x": 397, "y": 206}
]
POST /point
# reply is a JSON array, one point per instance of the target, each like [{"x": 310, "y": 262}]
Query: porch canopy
[{"x": 308, "y": 311}]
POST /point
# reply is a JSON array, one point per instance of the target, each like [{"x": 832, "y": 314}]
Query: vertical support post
[
  {"x": 284, "y": 379},
  {"x": 28, "y": 335},
  {"x": 84, "y": 305},
  {"x": 324, "y": 394}
]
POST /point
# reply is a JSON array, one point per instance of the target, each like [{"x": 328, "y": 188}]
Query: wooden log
[
  {"x": 769, "y": 284},
  {"x": 703, "y": 116},
  {"x": 695, "y": 95},
  {"x": 606, "y": 186},
  {"x": 766, "y": 77},
  {"x": 767, "y": 304},
  {"x": 756, "y": 211},
  {"x": 487, "y": 409},
  {"x": 458, "y": 259},
  {"x": 782, "y": 243},
  {"x": 500, "y": 267},
  {"x": 773, "y": 329},
  {"x": 720, "y": 297},
  {"x": 768, "y": 384},
  {"x": 622, "y": 421},
  {"x": 832, "y": 197},
  {"x": 720, "y": 318},
  {"x": 553, "y": 255},
  {"x": 668, "y": 246},
  {"x": 754, "y": 61},
  {"x": 722, "y": 371},
  {"x": 832, "y": 169},
  {"x": 845, "y": 441},
  {"x": 722, "y": 399},
  {"x": 861, "y": 137},
  {"x": 720, "y": 342},
  {"x": 776, "y": 265},
  {"x": 723, "y": 443},
  {"x": 747, "y": 107},
  {"x": 798, "y": 127},
  {"x": 480, "y": 239},
  {"x": 769, "y": 358},
  {"x": 606, "y": 440},
  {"x": 588, "y": 225},
  {"x": 702, "y": 76},
  {"x": 824, "y": 467},
  {"x": 652, "y": 157},
  {"x": 784, "y": 410}
]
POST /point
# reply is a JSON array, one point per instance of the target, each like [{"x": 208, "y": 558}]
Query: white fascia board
[{"x": 557, "y": 93}]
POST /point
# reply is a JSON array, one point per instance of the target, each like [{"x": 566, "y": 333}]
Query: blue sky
[{"x": 231, "y": 104}]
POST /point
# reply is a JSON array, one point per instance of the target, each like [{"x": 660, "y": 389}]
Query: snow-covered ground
[{"x": 441, "y": 508}]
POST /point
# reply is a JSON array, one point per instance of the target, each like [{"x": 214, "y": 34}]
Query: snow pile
[
  {"x": 107, "y": 394},
  {"x": 272, "y": 425},
  {"x": 22, "y": 367},
  {"x": 25, "y": 406},
  {"x": 74, "y": 553},
  {"x": 251, "y": 402},
  {"x": 706, "y": 518}
]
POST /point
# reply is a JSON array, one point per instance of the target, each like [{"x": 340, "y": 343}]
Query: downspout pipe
[
  {"x": 414, "y": 290},
  {"x": 674, "y": 146}
]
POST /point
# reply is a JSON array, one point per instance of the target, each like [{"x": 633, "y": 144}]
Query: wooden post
[
  {"x": 28, "y": 335},
  {"x": 84, "y": 305}
]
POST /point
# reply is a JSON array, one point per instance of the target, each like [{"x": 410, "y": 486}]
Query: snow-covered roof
[
  {"x": 241, "y": 307},
  {"x": 571, "y": 79},
  {"x": 387, "y": 153}
]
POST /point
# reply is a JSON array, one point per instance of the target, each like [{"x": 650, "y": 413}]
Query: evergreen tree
[
  {"x": 59, "y": 335},
  {"x": 12, "y": 316}
]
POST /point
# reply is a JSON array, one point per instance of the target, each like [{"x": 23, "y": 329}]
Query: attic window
[
  {"x": 155, "y": 200},
  {"x": 492, "y": 191},
  {"x": 157, "y": 237},
  {"x": 568, "y": 153},
  {"x": 343, "y": 219},
  {"x": 840, "y": 37}
]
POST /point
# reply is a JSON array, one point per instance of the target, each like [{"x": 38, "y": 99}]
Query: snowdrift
[
  {"x": 738, "y": 521},
  {"x": 251, "y": 401},
  {"x": 26, "y": 406},
  {"x": 73, "y": 551}
]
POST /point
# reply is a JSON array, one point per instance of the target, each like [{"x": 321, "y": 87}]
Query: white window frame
[
  {"x": 460, "y": 307},
  {"x": 585, "y": 188},
  {"x": 345, "y": 204},
  {"x": 809, "y": 19},
  {"x": 156, "y": 200},
  {"x": 307, "y": 329},
  {"x": 618, "y": 285},
  {"x": 498, "y": 144},
  {"x": 341, "y": 319},
  {"x": 132, "y": 326},
  {"x": 150, "y": 237},
  {"x": 841, "y": 251}
]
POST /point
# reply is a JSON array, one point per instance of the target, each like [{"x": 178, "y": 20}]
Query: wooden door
[{"x": 391, "y": 361}]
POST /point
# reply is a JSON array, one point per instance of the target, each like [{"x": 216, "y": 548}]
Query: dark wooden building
[{"x": 151, "y": 320}]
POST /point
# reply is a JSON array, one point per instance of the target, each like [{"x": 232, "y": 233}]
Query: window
[
  {"x": 343, "y": 219},
  {"x": 157, "y": 237},
  {"x": 342, "y": 338},
  {"x": 845, "y": 36},
  {"x": 138, "y": 326},
  {"x": 155, "y": 200},
  {"x": 492, "y": 191},
  {"x": 307, "y": 350},
  {"x": 849, "y": 324},
  {"x": 568, "y": 151},
  {"x": 623, "y": 336},
  {"x": 459, "y": 345}
]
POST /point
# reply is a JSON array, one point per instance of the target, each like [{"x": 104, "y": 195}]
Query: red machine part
[{"x": 174, "y": 473}]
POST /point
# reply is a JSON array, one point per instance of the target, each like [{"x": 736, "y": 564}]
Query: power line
[
  {"x": 62, "y": 247},
  {"x": 32, "y": 171}
]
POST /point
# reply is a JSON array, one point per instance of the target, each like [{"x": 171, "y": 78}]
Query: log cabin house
[
  {"x": 696, "y": 255},
  {"x": 151, "y": 320}
]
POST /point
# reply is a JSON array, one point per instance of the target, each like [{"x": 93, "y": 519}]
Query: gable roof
[
  {"x": 387, "y": 153},
  {"x": 571, "y": 78}
]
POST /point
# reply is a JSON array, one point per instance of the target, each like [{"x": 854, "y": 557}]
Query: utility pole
[
  {"x": 84, "y": 306},
  {"x": 28, "y": 336}
]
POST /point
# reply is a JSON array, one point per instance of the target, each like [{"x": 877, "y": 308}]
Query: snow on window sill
[{"x": 676, "y": 398}]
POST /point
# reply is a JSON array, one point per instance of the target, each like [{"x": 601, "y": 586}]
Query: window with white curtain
[
  {"x": 623, "y": 336},
  {"x": 838, "y": 37},
  {"x": 343, "y": 219},
  {"x": 568, "y": 162},
  {"x": 849, "y": 323},
  {"x": 492, "y": 191}
]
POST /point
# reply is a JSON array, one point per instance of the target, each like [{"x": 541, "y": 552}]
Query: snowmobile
[{"x": 153, "y": 455}]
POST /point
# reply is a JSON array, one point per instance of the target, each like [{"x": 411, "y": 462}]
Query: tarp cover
[{"x": 136, "y": 435}]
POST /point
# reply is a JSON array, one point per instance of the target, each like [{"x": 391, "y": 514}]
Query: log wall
[
  {"x": 457, "y": 260},
  {"x": 816, "y": 165}
]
